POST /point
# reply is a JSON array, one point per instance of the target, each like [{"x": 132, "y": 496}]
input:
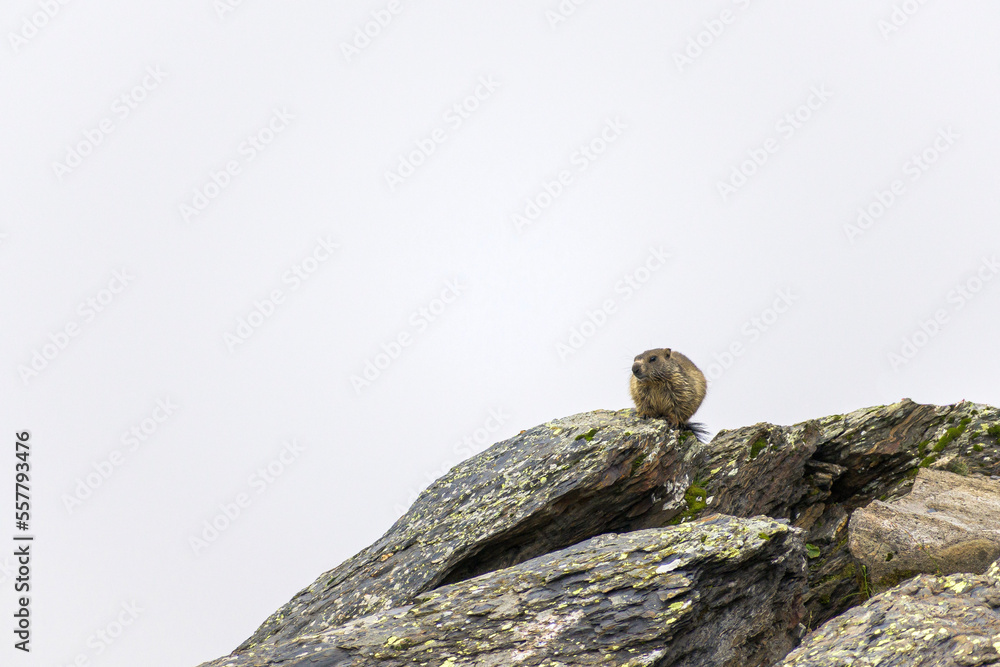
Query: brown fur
[{"x": 666, "y": 384}]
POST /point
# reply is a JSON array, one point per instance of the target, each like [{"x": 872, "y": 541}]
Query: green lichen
[
  {"x": 846, "y": 572},
  {"x": 951, "y": 434},
  {"x": 696, "y": 498},
  {"x": 637, "y": 462},
  {"x": 829, "y": 584},
  {"x": 922, "y": 447},
  {"x": 977, "y": 447},
  {"x": 588, "y": 436},
  {"x": 401, "y": 643},
  {"x": 994, "y": 431},
  {"x": 757, "y": 447},
  {"x": 812, "y": 551},
  {"x": 892, "y": 579},
  {"x": 764, "y": 536}
]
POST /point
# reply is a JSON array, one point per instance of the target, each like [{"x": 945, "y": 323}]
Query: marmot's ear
[{"x": 666, "y": 351}]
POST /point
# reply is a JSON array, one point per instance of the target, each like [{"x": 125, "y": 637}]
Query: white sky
[{"x": 836, "y": 102}]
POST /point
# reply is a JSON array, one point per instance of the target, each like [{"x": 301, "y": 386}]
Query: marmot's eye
[{"x": 652, "y": 359}]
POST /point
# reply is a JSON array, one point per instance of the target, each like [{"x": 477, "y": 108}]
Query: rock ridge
[{"x": 582, "y": 482}]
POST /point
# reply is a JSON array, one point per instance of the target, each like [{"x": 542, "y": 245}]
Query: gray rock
[
  {"x": 946, "y": 524},
  {"x": 875, "y": 453},
  {"x": 717, "y": 591},
  {"x": 547, "y": 488},
  {"x": 563, "y": 482},
  {"x": 939, "y": 621}
]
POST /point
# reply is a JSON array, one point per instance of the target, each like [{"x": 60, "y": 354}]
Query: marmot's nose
[{"x": 635, "y": 369}]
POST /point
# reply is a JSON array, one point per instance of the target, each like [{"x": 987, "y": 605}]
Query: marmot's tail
[{"x": 700, "y": 430}]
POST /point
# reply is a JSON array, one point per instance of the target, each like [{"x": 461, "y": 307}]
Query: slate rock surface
[
  {"x": 547, "y": 488},
  {"x": 948, "y": 523},
  {"x": 717, "y": 591},
  {"x": 927, "y": 621},
  {"x": 561, "y": 483},
  {"x": 818, "y": 472}
]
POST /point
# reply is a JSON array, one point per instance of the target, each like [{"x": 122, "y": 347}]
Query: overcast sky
[{"x": 277, "y": 266}]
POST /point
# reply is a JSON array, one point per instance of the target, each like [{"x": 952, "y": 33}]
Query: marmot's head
[{"x": 652, "y": 365}]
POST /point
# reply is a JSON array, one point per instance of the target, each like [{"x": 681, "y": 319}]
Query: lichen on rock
[
  {"x": 556, "y": 547},
  {"x": 651, "y": 597}
]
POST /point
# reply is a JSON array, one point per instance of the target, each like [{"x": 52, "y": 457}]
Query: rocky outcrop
[
  {"x": 932, "y": 621},
  {"x": 946, "y": 524},
  {"x": 547, "y": 490},
  {"x": 818, "y": 472},
  {"x": 651, "y": 597}
]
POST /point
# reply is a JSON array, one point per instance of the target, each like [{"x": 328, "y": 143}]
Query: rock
[
  {"x": 569, "y": 480},
  {"x": 872, "y": 453},
  {"x": 547, "y": 488},
  {"x": 946, "y": 524},
  {"x": 940, "y": 621},
  {"x": 717, "y": 591}
]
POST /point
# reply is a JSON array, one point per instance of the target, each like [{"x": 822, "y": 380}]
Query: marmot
[{"x": 667, "y": 384}]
